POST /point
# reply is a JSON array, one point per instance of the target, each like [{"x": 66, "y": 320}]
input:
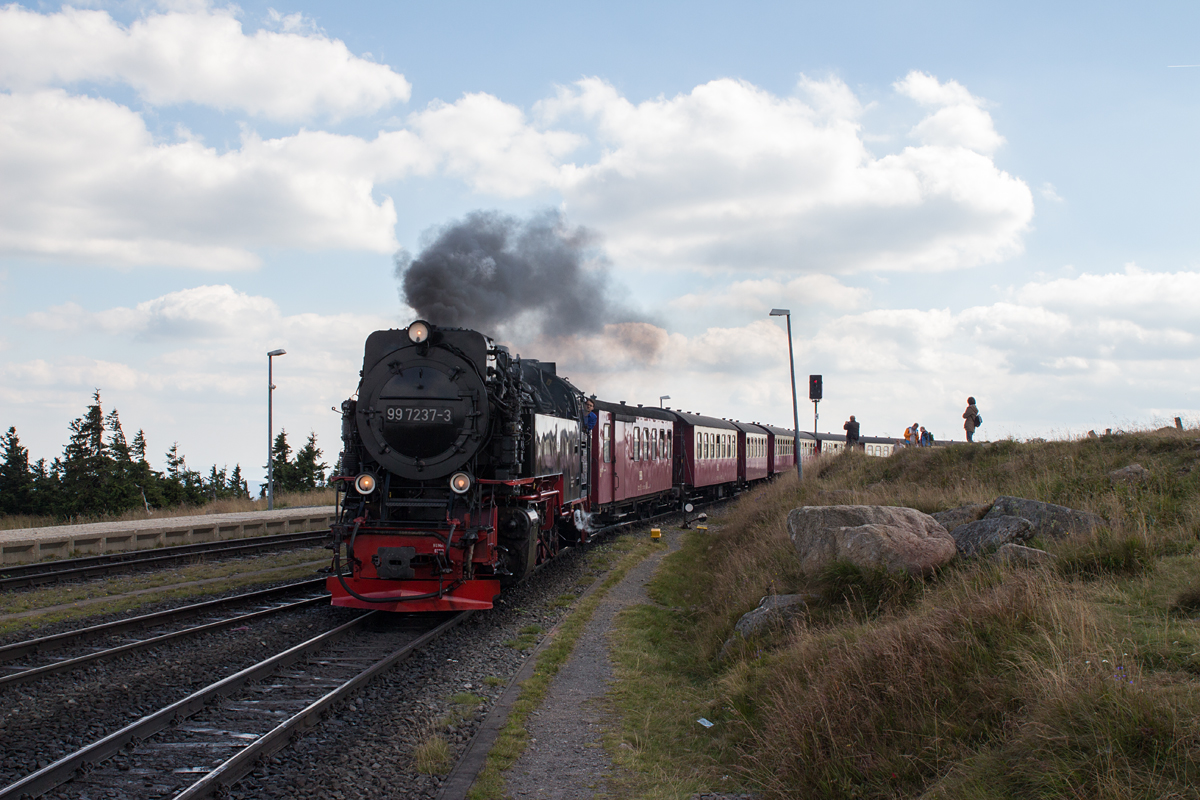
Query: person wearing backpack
[{"x": 972, "y": 419}]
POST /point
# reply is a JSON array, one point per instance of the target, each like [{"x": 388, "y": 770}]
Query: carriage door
[{"x": 602, "y": 458}]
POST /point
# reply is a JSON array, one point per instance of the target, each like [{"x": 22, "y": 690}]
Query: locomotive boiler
[{"x": 462, "y": 469}]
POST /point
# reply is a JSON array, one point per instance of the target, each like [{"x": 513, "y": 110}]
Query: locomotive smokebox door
[{"x": 422, "y": 409}]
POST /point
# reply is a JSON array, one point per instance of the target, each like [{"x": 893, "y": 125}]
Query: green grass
[{"x": 1079, "y": 679}]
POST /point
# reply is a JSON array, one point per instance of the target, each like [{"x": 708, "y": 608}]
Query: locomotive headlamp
[
  {"x": 364, "y": 483},
  {"x": 460, "y": 482},
  {"x": 418, "y": 332}
]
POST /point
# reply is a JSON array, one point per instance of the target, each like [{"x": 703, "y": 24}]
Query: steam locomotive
[{"x": 464, "y": 467}]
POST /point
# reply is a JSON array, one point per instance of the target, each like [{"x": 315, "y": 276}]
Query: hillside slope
[{"x": 1078, "y": 679}]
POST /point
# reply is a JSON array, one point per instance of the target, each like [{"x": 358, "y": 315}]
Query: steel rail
[
  {"x": 89, "y": 566},
  {"x": 223, "y": 777},
  {"x": 66, "y": 665},
  {"x": 83, "y": 760},
  {"x": 11, "y": 652}
]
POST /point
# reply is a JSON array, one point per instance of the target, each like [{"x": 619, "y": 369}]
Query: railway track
[
  {"x": 72, "y": 569},
  {"x": 21, "y": 662},
  {"x": 201, "y": 745}
]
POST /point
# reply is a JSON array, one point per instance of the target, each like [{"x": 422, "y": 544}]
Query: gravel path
[{"x": 565, "y": 759}]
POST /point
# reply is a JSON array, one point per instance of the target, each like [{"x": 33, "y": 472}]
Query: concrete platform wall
[{"x": 25, "y": 545}]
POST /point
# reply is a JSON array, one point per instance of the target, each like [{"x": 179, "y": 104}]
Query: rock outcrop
[
  {"x": 952, "y": 518},
  {"x": 1133, "y": 474},
  {"x": 1055, "y": 522},
  {"x": 989, "y": 533},
  {"x": 897, "y": 539},
  {"x": 774, "y": 609}
]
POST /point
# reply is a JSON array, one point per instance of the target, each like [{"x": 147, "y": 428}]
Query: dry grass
[
  {"x": 321, "y": 497},
  {"x": 432, "y": 756},
  {"x": 1080, "y": 679}
]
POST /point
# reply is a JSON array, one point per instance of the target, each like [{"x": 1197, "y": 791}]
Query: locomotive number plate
[{"x": 409, "y": 414}]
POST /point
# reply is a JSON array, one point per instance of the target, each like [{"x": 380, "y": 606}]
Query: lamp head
[
  {"x": 781, "y": 312},
  {"x": 280, "y": 352}
]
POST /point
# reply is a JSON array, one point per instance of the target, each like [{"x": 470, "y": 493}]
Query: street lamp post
[
  {"x": 784, "y": 312},
  {"x": 661, "y": 398},
  {"x": 270, "y": 432}
]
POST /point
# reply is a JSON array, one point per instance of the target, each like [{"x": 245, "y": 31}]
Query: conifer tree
[
  {"x": 85, "y": 473},
  {"x": 308, "y": 471},
  {"x": 237, "y": 484},
  {"x": 16, "y": 481},
  {"x": 284, "y": 470}
]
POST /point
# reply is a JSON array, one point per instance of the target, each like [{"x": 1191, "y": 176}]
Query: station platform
[{"x": 26, "y": 545}]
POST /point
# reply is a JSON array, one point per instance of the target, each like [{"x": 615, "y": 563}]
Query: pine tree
[
  {"x": 85, "y": 471},
  {"x": 138, "y": 448},
  {"x": 45, "y": 488},
  {"x": 148, "y": 482},
  {"x": 307, "y": 470},
  {"x": 123, "y": 492},
  {"x": 216, "y": 487},
  {"x": 16, "y": 481},
  {"x": 284, "y": 470},
  {"x": 237, "y": 484}
]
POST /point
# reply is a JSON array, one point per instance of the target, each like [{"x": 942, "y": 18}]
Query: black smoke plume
[{"x": 489, "y": 269}]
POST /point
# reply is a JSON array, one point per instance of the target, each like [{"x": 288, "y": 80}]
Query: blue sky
[{"x": 953, "y": 199}]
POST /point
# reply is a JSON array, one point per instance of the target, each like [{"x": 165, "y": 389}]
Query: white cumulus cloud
[
  {"x": 198, "y": 56},
  {"x": 84, "y": 180},
  {"x": 731, "y": 176}
]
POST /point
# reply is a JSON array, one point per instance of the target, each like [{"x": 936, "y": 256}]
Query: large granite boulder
[
  {"x": 985, "y": 535},
  {"x": 1055, "y": 522},
  {"x": 897, "y": 539},
  {"x": 952, "y": 518}
]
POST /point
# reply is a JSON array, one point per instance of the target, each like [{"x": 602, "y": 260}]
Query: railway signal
[{"x": 814, "y": 394}]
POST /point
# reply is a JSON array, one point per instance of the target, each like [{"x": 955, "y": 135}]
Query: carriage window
[
  {"x": 666, "y": 444},
  {"x": 606, "y": 446},
  {"x": 656, "y": 436},
  {"x": 708, "y": 446},
  {"x": 635, "y": 452},
  {"x": 647, "y": 450}
]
